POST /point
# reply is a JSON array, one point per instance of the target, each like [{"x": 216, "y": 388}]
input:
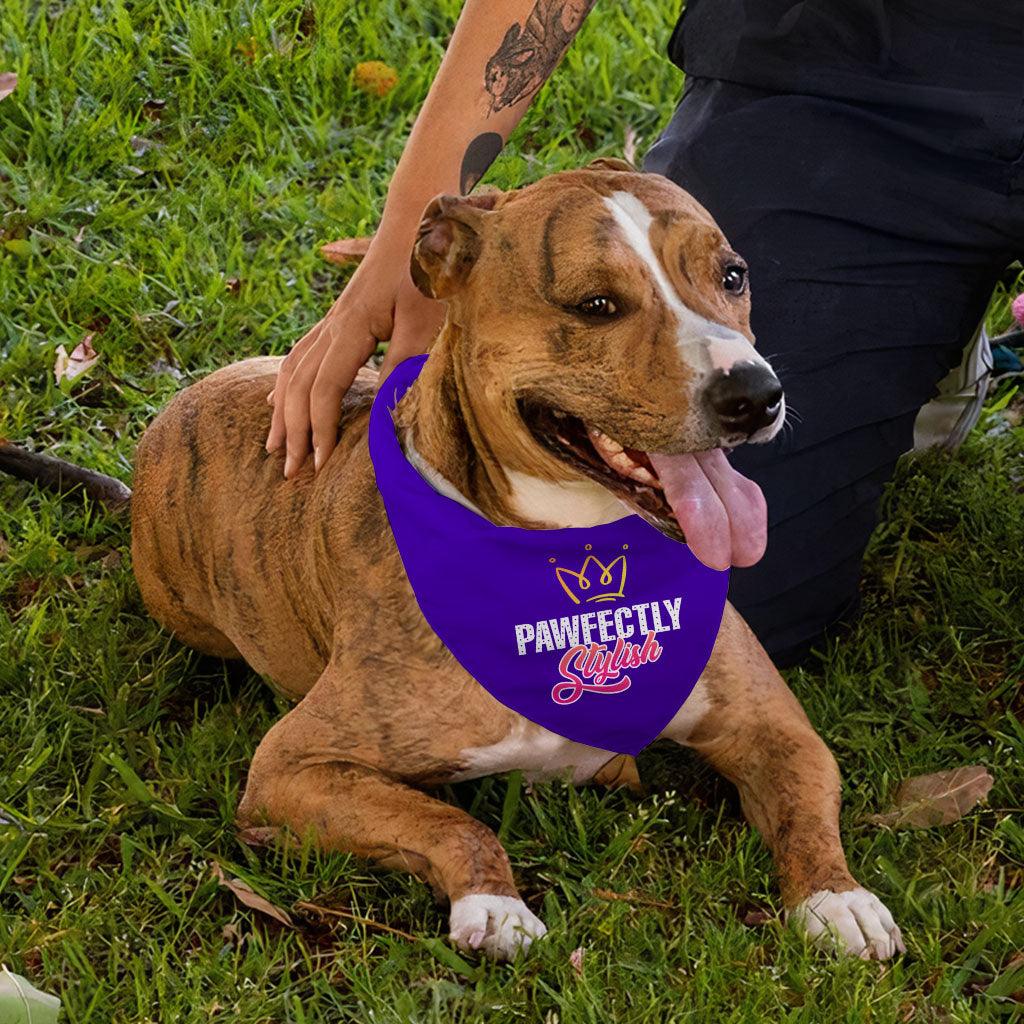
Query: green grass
[{"x": 122, "y": 753}]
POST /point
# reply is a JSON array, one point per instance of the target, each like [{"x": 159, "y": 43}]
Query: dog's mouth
[{"x": 694, "y": 497}]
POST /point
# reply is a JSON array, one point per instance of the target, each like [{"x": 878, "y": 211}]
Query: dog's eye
[
  {"x": 597, "y": 305},
  {"x": 734, "y": 279}
]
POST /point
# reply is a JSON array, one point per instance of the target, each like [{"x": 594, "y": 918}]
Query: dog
[{"x": 597, "y": 332}]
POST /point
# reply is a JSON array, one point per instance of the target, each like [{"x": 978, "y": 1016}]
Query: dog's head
[{"x": 602, "y": 324}]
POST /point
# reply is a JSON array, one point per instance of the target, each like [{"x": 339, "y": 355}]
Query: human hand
[{"x": 380, "y": 303}]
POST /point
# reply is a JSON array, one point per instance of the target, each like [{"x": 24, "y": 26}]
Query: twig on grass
[
  {"x": 349, "y": 916},
  {"x": 633, "y": 897}
]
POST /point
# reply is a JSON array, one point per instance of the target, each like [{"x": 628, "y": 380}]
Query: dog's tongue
[{"x": 722, "y": 514}]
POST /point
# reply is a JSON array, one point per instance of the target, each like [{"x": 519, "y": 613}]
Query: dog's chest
[{"x": 535, "y": 751}]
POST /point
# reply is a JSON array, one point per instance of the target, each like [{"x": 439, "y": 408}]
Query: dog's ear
[
  {"x": 449, "y": 242},
  {"x": 610, "y": 163}
]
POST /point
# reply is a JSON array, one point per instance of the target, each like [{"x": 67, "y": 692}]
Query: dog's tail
[{"x": 62, "y": 477}]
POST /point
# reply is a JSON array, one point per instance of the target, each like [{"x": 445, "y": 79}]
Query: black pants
[{"x": 874, "y": 236}]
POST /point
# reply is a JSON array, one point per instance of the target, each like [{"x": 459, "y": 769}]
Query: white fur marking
[
  {"x": 564, "y": 503},
  {"x": 855, "y": 922},
  {"x": 689, "y": 716},
  {"x": 440, "y": 484},
  {"x": 537, "y": 752},
  {"x": 703, "y": 344},
  {"x": 570, "y": 503},
  {"x": 501, "y": 926}
]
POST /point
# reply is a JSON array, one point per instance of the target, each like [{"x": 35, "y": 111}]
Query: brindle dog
[{"x": 514, "y": 414}]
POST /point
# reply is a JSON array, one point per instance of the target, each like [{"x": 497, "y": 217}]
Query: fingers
[
  {"x": 313, "y": 379},
  {"x": 276, "y": 435},
  {"x": 334, "y": 377},
  {"x": 296, "y": 407}
]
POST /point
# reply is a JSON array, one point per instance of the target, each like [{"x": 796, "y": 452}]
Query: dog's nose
[{"x": 746, "y": 399}]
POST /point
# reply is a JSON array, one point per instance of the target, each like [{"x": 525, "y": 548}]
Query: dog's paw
[
  {"x": 855, "y": 922},
  {"x": 501, "y": 926}
]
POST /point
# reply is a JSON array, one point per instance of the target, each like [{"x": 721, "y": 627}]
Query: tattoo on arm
[
  {"x": 519, "y": 67},
  {"x": 480, "y": 154},
  {"x": 529, "y": 52}
]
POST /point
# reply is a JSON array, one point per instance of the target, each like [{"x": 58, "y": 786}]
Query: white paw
[
  {"x": 855, "y": 922},
  {"x": 501, "y": 926}
]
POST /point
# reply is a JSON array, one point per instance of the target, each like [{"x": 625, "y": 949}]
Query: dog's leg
[
  {"x": 296, "y": 781},
  {"x": 745, "y": 720}
]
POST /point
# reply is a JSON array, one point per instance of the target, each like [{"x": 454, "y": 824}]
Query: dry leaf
[
  {"x": 233, "y": 285},
  {"x": 756, "y": 918},
  {"x": 152, "y": 108},
  {"x": 629, "y": 148},
  {"x": 259, "y": 835},
  {"x": 576, "y": 960},
  {"x": 248, "y": 48},
  {"x": 375, "y": 77},
  {"x": 140, "y": 145},
  {"x": 346, "y": 250},
  {"x": 68, "y": 367},
  {"x": 243, "y": 892},
  {"x": 161, "y": 366},
  {"x": 936, "y": 799},
  {"x": 8, "y": 83}
]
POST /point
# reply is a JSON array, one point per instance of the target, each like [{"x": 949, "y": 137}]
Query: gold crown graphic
[{"x": 606, "y": 583}]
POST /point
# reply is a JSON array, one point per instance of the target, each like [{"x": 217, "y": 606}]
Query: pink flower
[{"x": 1018, "y": 309}]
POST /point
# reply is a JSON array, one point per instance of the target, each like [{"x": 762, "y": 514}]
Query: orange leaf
[
  {"x": 375, "y": 77},
  {"x": 346, "y": 250},
  {"x": 248, "y": 48}
]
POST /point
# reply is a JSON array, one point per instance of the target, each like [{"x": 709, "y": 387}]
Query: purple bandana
[{"x": 597, "y": 633}]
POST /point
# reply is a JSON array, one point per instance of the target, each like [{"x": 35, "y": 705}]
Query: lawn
[{"x": 167, "y": 171}]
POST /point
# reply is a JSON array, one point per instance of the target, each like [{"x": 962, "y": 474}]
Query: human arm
[{"x": 501, "y": 53}]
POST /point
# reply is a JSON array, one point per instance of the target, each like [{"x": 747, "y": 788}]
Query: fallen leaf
[
  {"x": 233, "y": 285},
  {"x": 21, "y": 1002},
  {"x": 629, "y": 147},
  {"x": 141, "y": 145},
  {"x": 307, "y": 22},
  {"x": 346, "y": 250},
  {"x": 247, "y": 48},
  {"x": 232, "y": 935},
  {"x": 586, "y": 135},
  {"x": 756, "y": 918},
  {"x": 5, "y": 548},
  {"x": 259, "y": 835},
  {"x": 576, "y": 960},
  {"x": 936, "y": 799},
  {"x": 375, "y": 77},
  {"x": 8, "y": 83},
  {"x": 112, "y": 560},
  {"x": 244, "y": 893},
  {"x": 152, "y": 108},
  {"x": 68, "y": 367},
  {"x": 161, "y": 366}
]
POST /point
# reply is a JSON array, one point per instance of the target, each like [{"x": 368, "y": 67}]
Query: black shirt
[{"x": 917, "y": 52}]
